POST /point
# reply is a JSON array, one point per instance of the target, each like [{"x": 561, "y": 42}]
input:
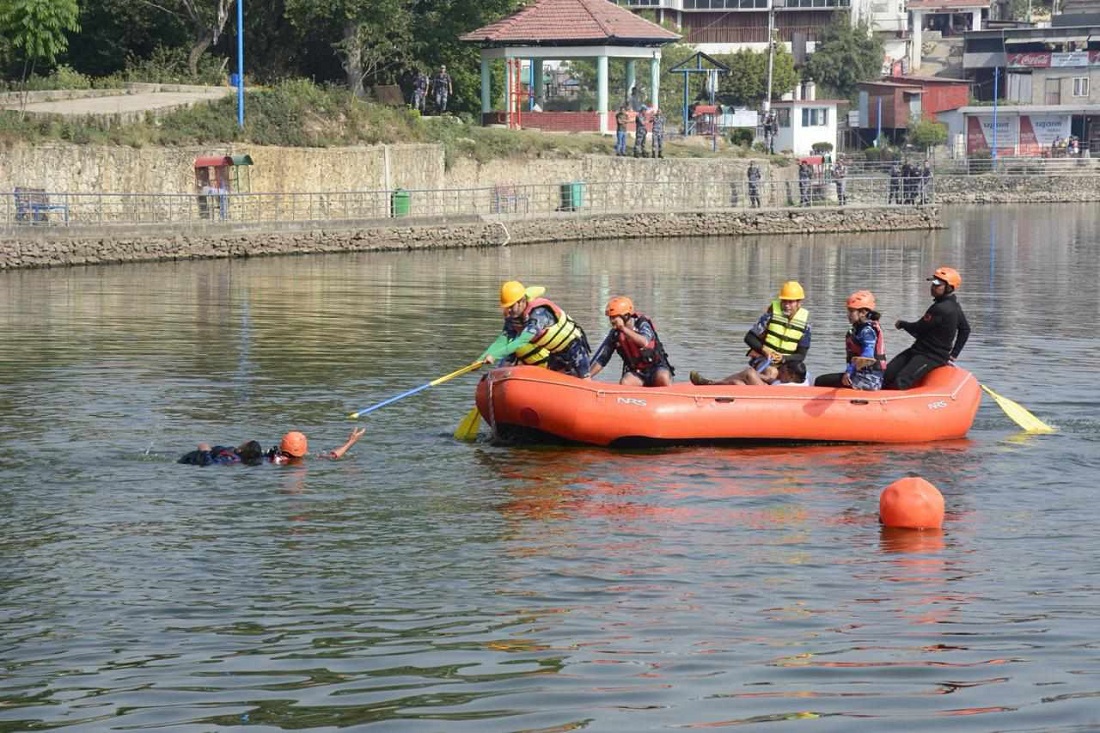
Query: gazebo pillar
[
  {"x": 486, "y": 87},
  {"x": 631, "y": 77},
  {"x": 601, "y": 92},
  {"x": 538, "y": 82},
  {"x": 655, "y": 79}
]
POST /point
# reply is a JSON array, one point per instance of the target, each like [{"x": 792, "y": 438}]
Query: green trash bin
[
  {"x": 400, "y": 203},
  {"x": 572, "y": 196}
]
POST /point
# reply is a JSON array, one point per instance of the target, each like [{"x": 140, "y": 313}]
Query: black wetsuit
[{"x": 940, "y": 335}]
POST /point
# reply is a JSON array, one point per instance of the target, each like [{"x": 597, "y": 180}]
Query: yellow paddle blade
[
  {"x": 1019, "y": 415},
  {"x": 467, "y": 429}
]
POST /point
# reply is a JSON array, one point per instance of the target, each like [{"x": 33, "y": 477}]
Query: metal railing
[{"x": 394, "y": 207}]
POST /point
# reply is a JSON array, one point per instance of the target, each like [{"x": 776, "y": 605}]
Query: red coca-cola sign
[{"x": 1030, "y": 60}]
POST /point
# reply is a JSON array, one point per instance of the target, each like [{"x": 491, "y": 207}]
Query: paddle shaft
[{"x": 421, "y": 388}]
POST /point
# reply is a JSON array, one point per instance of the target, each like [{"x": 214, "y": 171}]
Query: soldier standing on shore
[
  {"x": 657, "y": 118},
  {"x": 754, "y": 185},
  {"x": 840, "y": 175},
  {"x": 894, "y": 196}
]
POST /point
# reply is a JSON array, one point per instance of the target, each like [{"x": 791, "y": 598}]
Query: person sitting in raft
[
  {"x": 864, "y": 345},
  {"x": 538, "y": 332},
  {"x": 634, "y": 338},
  {"x": 781, "y": 335},
  {"x": 250, "y": 453},
  {"x": 294, "y": 448},
  {"x": 940, "y": 334}
]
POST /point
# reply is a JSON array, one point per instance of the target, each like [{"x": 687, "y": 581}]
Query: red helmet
[
  {"x": 619, "y": 306},
  {"x": 949, "y": 276},
  {"x": 862, "y": 299}
]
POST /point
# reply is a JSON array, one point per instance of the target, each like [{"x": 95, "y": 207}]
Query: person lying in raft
[
  {"x": 781, "y": 335},
  {"x": 864, "y": 345},
  {"x": 787, "y": 374},
  {"x": 293, "y": 448},
  {"x": 538, "y": 332},
  {"x": 634, "y": 338}
]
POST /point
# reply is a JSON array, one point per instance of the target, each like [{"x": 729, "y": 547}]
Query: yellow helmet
[
  {"x": 619, "y": 306},
  {"x": 511, "y": 292},
  {"x": 791, "y": 290}
]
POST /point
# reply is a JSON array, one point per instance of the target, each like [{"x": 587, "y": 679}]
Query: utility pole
[{"x": 771, "y": 55}]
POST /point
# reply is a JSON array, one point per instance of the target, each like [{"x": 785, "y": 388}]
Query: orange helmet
[
  {"x": 619, "y": 306},
  {"x": 949, "y": 276},
  {"x": 294, "y": 443},
  {"x": 862, "y": 299}
]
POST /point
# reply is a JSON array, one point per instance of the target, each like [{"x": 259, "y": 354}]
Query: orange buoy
[{"x": 912, "y": 503}]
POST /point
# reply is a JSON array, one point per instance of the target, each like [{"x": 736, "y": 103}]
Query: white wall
[{"x": 799, "y": 139}]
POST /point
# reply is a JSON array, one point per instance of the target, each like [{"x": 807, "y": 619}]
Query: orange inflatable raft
[{"x": 531, "y": 403}]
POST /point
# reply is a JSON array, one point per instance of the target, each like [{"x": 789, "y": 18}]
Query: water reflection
[{"x": 423, "y": 582}]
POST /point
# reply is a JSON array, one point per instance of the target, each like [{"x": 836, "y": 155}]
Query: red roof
[{"x": 571, "y": 21}]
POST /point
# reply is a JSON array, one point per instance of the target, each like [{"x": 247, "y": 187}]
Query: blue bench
[{"x": 32, "y": 206}]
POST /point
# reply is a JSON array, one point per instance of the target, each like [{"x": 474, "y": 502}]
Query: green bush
[
  {"x": 742, "y": 136},
  {"x": 821, "y": 148}
]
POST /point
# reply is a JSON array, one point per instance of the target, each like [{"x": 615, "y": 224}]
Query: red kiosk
[{"x": 217, "y": 176}]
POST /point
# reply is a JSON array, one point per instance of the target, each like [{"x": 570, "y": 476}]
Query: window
[
  {"x": 1080, "y": 86},
  {"x": 783, "y": 116},
  {"x": 815, "y": 116}
]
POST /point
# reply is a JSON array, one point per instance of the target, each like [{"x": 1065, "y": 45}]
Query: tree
[
  {"x": 926, "y": 134},
  {"x": 369, "y": 36},
  {"x": 747, "y": 83},
  {"x": 37, "y": 28},
  {"x": 845, "y": 56},
  {"x": 114, "y": 32}
]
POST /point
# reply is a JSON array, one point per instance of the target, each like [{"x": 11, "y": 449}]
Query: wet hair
[
  {"x": 251, "y": 453},
  {"x": 796, "y": 370}
]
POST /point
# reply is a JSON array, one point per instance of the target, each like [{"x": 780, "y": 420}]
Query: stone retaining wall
[
  {"x": 1016, "y": 189},
  {"x": 110, "y": 248}
]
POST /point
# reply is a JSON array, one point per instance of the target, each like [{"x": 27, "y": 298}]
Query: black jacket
[{"x": 942, "y": 331}]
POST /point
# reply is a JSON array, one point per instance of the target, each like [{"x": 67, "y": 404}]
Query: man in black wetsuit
[{"x": 940, "y": 334}]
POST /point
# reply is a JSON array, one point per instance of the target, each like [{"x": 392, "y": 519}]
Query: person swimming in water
[{"x": 293, "y": 448}]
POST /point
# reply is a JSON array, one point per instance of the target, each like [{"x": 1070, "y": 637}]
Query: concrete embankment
[
  {"x": 110, "y": 246},
  {"x": 1017, "y": 189}
]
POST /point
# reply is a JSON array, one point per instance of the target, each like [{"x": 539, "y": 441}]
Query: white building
[{"x": 804, "y": 120}]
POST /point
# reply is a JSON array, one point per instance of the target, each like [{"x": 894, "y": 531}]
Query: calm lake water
[{"x": 423, "y": 584}]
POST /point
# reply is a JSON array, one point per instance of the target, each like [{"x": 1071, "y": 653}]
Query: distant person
[
  {"x": 782, "y": 334},
  {"x": 640, "y": 130},
  {"x": 864, "y": 347},
  {"x": 622, "y": 120},
  {"x": 636, "y": 102},
  {"x": 419, "y": 90},
  {"x": 754, "y": 176},
  {"x": 442, "y": 88},
  {"x": 657, "y": 121},
  {"x": 634, "y": 338},
  {"x": 894, "y": 196},
  {"x": 840, "y": 179},
  {"x": 926, "y": 183},
  {"x": 804, "y": 174},
  {"x": 940, "y": 334}
]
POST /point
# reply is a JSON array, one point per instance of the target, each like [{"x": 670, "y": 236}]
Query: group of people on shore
[
  {"x": 910, "y": 183},
  {"x": 438, "y": 88},
  {"x": 538, "y": 332},
  {"x": 649, "y": 122}
]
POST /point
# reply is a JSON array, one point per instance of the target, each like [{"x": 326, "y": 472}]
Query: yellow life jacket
[
  {"x": 552, "y": 339},
  {"x": 784, "y": 334}
]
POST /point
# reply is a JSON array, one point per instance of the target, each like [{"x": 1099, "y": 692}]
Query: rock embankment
[{"x": 58, "y": 248}]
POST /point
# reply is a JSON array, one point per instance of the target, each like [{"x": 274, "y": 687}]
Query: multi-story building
[{"x": 725, "y": 26}]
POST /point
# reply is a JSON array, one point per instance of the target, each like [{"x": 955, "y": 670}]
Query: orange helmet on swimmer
[{"x": 294, "y": 444}]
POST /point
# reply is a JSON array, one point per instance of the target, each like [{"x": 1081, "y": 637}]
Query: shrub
[
  {"x": 742, "y": 136},
  {"x": 821, "y": 148}
]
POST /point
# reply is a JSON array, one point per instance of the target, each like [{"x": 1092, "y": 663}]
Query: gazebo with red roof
[{"x": 571, "y": 29}]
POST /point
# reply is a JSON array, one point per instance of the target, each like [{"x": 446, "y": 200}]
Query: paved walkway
[{"x": 123, "y": 103}]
